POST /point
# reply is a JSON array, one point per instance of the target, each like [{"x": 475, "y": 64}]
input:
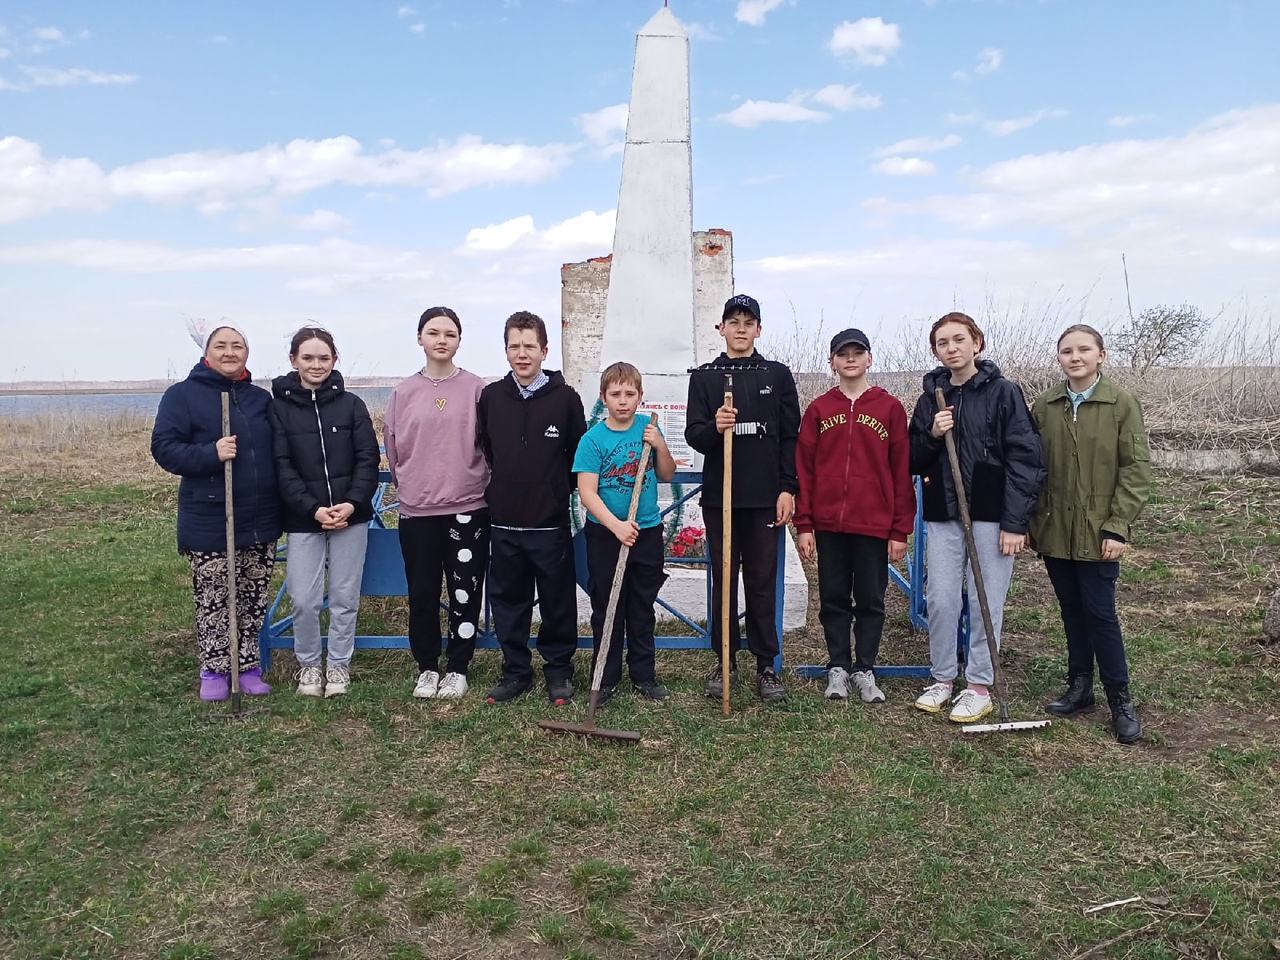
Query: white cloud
[
  {"x": 606, "y": 126},
  {"x": 588, "y": 231},
  {"x": 49, "y": 35},
  {"x": 1128, "y": 120},
  {"x": 219, "y": 38},
  {"x": 405, "y": 11},
  {"x": 31, "y": 185},
  {"x": 324, "y": 221},
  {"x": 499, "y": 236},
  {"x": 753, "y": 12},
  {"x": 842, "y": 97},
  {"x": 418, "y": 29},
  {"x": 989, "y": 60},
  {"x": 870, "y": 40},
  {"x": 1219, "y": 178},
  {"x": 919, "y": 145},
  {"x": 52, "y": 77},
  {"x": 4, "y": 52},
  {"x": 700, "y": 31},
  {"x": 752, "y": 113},
  {"x": 905, "y": 167},
  {"x": 1002, "y": 128}
]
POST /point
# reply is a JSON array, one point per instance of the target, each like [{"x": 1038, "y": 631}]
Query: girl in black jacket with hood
[
  {"x": 327, "y": 458},
  {"x": 1002, "y": 465}
]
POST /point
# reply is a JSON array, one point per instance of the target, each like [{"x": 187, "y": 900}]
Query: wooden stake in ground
[
  {"x": 726, "y": 541},
  {"x": 962, "y": 502},
  {"x": 588, "y": 727}
]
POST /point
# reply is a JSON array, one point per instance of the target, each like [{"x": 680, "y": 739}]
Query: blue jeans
[{"x": 1086, "y": 592}]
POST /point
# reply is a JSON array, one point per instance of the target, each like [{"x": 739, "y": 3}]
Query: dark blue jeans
[{"x": 1087, "y": 597}]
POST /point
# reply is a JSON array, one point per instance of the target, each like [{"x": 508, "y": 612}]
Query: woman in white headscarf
[{"x": 187, "y": 440}]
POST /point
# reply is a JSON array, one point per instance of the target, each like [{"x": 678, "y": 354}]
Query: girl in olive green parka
[{"x": 1099, "y": 478}]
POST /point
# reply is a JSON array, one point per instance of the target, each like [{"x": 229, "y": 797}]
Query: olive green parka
[{"x": 1099, "y": 471}]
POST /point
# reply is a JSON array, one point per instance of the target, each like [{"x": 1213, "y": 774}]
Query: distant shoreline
[{"x": 54, "y": 388}]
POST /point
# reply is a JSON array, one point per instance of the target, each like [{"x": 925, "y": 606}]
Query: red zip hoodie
[{"x": 853, "y": 460}]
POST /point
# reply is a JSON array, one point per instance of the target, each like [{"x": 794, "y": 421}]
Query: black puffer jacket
[
  {"x": 1001, "y": 459},
  {"x": 326, "y": 451}
]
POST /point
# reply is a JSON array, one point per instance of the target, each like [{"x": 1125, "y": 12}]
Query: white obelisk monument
[{"x": 649, "y": 313}]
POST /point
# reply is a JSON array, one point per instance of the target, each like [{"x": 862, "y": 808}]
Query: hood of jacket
[
  {"x": 289, "y": 386},
  {"x": 941, "y": 377},
  {"x": 203, "y": 373}
]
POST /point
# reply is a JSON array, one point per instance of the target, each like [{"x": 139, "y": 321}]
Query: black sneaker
[
  {"x": 769, "y": 687},
  {"x": 715, "y": 679},
  {"x": 508, "y": 690},
  {"x": 651, "y": 689},
  {"x": 560, "y": 691}
]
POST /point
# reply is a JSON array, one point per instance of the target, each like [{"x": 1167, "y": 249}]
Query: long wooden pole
[
  {"x": 232, "y": 628},
  {"x": 957, "y": 477},
  {"x": 615, "y": 591},
  {"x": 726, "y": 546}
]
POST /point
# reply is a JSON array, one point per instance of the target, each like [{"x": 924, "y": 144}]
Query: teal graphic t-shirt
[{"x": 615, "y": 456}]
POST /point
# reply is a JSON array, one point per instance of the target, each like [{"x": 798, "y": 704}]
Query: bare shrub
[{"x": 1158, "y": 335}]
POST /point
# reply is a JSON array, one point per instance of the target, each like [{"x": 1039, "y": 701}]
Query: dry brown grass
[{"x": 95, "y": 448}]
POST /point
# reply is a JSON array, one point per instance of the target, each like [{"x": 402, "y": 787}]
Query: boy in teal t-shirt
[{"x": 607, "y": 461}]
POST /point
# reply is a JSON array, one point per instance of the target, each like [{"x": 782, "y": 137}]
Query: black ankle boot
[
  {"x": 1078, "y": 697},
  {"x": 1124, "y": 719}
]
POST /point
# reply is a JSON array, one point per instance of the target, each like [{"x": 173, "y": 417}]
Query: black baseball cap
[
  {"x": 741, "y": 302},
  {"x": 852, "y": 336}
]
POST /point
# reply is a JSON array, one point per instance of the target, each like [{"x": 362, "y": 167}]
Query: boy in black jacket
[
  {"x": 530, "y": 425},
  {"x": 765, "y": 420}
]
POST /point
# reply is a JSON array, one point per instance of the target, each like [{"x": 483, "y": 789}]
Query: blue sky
[{"x": 354, "y": 163}]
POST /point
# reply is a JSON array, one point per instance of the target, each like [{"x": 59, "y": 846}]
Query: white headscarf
[{"x": 201, "y": 330}]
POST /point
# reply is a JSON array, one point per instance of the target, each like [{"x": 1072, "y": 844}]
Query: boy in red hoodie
[{"x": 854, "y": 511}]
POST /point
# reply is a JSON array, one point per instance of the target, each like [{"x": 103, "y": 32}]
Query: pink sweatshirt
[{"x": 433, "y": 449}]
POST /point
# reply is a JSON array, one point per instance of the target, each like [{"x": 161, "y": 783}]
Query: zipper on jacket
[
  {"x": 848, "y": 462},
  {"x": 324, "y": 454}
]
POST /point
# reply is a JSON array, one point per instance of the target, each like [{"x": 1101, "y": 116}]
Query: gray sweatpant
[
  {"x": 947, "y": 556},
  {"x": 305, "y": 579}
]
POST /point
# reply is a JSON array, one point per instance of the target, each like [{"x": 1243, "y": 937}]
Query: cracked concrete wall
[{"x": 584, "y": 292}]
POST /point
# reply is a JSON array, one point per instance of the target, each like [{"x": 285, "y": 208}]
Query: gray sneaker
[
  {"x": 837, "y": 684},
  {"x": 715, "y": 679},
  {"x": 769, "y": 687},
  {"x": 865, "y": 681}
]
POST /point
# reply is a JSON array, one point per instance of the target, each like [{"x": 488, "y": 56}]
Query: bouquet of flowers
[{"x": 689, "y": 541}]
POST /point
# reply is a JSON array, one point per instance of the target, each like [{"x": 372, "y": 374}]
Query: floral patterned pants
[{"x": 209, "y": 584}]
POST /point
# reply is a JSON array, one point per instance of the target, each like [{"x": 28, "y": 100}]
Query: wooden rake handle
[
  {"x": 726, "y": 544},
  {"x": 962, "y": 502},
  {"x": 615, "y": 591}
]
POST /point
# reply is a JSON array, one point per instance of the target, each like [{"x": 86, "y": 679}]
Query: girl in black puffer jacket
[
  {"x": 327, "y": 458},
  {"x": 1002, "y": 465}
]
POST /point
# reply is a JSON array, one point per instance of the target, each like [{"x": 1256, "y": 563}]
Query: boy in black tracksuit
[
  {"x": 765, "y": 420},
  {"x": 530, "y": 425}
]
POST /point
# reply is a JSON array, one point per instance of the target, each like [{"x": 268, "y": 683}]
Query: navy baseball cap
[
  {"x": 850, "y": 337},
  {"x": 741, "y": 302}
]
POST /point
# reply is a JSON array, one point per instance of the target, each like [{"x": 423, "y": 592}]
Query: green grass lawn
[{"x": 378, "y": 826}]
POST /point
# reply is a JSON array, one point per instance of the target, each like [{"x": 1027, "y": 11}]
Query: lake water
[{"x": 75, "y": 404}]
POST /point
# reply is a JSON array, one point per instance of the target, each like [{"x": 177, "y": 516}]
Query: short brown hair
[
  {"x": 620, "y": 372},
  {"x": 965, "y": 321},
  {"x": 524, "y": 320},
  {"x": 317, "y": 333},
  {"x": 1082, "y": 328}
]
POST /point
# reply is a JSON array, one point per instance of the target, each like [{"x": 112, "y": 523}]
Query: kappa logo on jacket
[{"x": 552, "y": 431}]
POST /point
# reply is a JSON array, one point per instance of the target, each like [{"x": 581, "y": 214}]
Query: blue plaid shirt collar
[{"x": 540, "y": 381}]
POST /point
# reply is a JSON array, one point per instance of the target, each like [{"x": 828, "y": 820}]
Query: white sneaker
[
  {"x": 336, "y": 681},
  {"x": 970, "y": 706},
  {"x": 934, "y": 698},
  {"x": 452, "y": 687},
  {"x": 865, "y": 681},
  {"x": 428, "y": 685},
  {"x": 310, "y": 682},
  {"x": 837, "y": 684}
]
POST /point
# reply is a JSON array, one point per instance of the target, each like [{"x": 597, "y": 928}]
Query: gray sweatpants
[
  {"x": 947, "y": 556},
  {"x": 305, "y": 579}
]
